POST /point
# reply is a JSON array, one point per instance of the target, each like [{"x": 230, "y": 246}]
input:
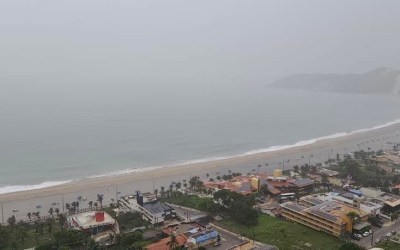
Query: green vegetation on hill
[{"x": 283, "y": 234}]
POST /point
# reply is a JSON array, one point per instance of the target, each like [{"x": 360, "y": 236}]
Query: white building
[
  {"x": 152, "y": 210},
  {"x": 98, "y": 224}
]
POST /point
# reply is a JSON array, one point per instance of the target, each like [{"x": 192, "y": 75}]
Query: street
[{"x": 379, "y": 233}]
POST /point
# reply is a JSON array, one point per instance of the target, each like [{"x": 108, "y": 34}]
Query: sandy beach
[{"x": 147, "y": 180}]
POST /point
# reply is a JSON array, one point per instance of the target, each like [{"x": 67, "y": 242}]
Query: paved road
[{"x": 379, "y": 233}]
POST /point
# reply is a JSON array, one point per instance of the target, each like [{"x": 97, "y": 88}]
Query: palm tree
[
  {"x": 51, "y": 211},
  {"x": 156, "y": 192},
  {"x": 173, "y": 243},
  {"x": 73, "y": 204},
  {"x": 67, "y": 206},
  {"x": 90, "y": 205},
  {"x": 162, "y": 191},
  {"x": 11, "y": 221},
  {"x": 96, "y": 205},
  {"x": 29, "y": 215},
  {"x": 100, "y": 198},
  {"x": 353, "y": 216}
]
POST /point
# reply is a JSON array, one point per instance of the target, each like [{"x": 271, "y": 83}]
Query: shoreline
[
  {"x": 316, "y": 152},
  {"x": 188, "y": 163}
]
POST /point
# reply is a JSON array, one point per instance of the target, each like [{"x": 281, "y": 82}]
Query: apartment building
[{"x": 327, "y": 216}]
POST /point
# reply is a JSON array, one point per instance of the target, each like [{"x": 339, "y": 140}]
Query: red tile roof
[{"x": 163, "y": 244}]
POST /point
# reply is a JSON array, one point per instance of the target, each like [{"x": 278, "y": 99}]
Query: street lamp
[{"x": 309, "y": 159}]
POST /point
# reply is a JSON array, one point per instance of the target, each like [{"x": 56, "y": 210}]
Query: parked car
[
  {"x": 365, "y": 234},
  {"x": 388, "y": 234},
  {"x": 359, "y": 236},
  {"x": 355, "y": 236},
  {"x": 217, "y": 243}
]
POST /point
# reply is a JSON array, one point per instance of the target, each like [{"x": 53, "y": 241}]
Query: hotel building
[{"x": 327, "y": 216}]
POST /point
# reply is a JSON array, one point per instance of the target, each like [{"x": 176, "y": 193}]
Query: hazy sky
[{"x": 79, "y": 45}]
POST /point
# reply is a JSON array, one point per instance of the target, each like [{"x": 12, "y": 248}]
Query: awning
[{"x": 361, "y": 225}]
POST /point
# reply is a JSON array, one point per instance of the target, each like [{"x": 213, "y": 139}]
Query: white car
[
  {"x": 365, "y": 234},
  {"x": 388, "y": 234},
  {"x": 359, "y": 236}
]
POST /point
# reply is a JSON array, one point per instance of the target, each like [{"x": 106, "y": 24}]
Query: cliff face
[{"x": 378, "y": 81}]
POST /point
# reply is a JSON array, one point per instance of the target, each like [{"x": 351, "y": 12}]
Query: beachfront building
[
  {"x": 98, "y": 224},
  {"x": 392, "y": 205},
  {"x": 328, "y": 213},
  {"x": 330, "y": 217},
  {"x": 370, "y": 206},
  {"x": 275, "y": 184},
  {"x": 151, "y": 209}
]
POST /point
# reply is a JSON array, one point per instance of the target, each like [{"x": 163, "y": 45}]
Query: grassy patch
[
  {"x": 284, "y": 234},
  {"x": 388, "y": 245},
  {"x": 191, "y": 201}
]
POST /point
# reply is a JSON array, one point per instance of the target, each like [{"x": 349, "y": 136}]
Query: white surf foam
[
  {"x": 126, "y": 171},
  {"x": 18, "y": 188}
]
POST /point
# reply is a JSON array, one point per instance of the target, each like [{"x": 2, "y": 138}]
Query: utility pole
[
  {"x": 372, "y": 238},
  {"x": 62, "y": 201},
  {"x": 2, "y": 214}
]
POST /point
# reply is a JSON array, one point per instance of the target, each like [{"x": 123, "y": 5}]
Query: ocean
[{"x": 55, "y": 140}]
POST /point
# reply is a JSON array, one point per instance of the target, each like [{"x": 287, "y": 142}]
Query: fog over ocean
[
  {"x": 96, "y": 88},
  {"x": 72, "y": 140}
]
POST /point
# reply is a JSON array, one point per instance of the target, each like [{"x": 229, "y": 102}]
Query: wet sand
[{"x": 146, "y": 181}]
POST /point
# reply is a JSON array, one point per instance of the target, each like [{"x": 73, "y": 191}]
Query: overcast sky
[{"x": 80, "y": 44}]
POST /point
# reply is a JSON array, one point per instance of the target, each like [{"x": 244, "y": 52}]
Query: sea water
[{"x": 57, "y": 140}]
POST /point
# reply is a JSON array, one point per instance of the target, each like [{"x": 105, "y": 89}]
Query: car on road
[
  {"x": 388, "y": 234},
  {"x": 365, "y": 234}
]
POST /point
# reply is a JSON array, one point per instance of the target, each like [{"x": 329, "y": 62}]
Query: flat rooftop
[
  {"x": 156, "y": 207},
  {"x": 330, "y": 210},
  {"x": 88, "y": 219}
]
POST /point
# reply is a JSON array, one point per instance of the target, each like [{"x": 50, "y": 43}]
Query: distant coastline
[{"x": 49, "y": 184}]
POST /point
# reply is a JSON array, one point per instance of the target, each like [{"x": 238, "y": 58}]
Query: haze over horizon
[{"x": 59, "y": 47}]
